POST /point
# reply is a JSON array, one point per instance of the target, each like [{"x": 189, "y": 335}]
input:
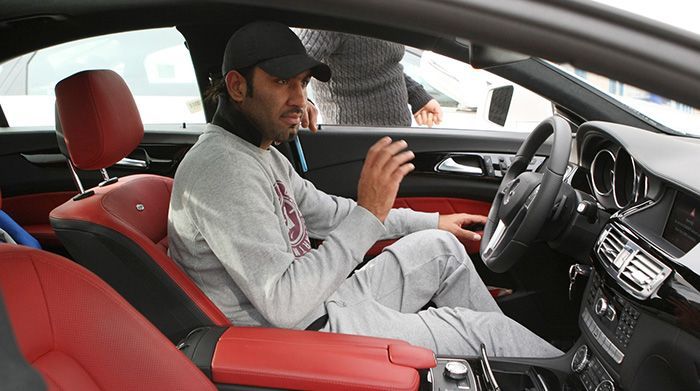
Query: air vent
[
  {"x": 643, "y": 273},
  {"x": 636, "y": 270},
  {"x": 611, "y": 244}
]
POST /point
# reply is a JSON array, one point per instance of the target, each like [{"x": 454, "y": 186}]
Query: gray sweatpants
[{"x": 385, "y": 297}]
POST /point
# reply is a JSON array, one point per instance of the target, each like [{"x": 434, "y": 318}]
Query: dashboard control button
[
  {"x": 611, "y": 314},
  {"x": 605, "y": 385},
  {"x": 601, "y": 306},
  {"x": 456, "y": 370},
  {"x": 580, "y": 360}
]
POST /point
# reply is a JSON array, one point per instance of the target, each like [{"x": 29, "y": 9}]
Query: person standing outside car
[
  {"x": 240, "y": 219},
  {"x": 369, "y": 86}
]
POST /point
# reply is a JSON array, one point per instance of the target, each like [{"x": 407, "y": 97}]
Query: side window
[
  {"x": 155, "y": 64},
  {"x": 472, "y": 98},
  {"x": 380, "y": 83}
]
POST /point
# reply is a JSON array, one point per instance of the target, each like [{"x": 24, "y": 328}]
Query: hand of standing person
[
  {"x": 309, "y": 117},
  {"x": 386, "y": 164},
  {"x": 430, "y": 114}
]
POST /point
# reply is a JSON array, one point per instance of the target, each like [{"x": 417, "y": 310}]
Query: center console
[
  {"x": 255, "y": 358},
  {"x": 610, "y": 326},
  {"x": 246, "y": 358},
  {"x": 484, "y": 374},
  {"x": 608, "y": 322}
]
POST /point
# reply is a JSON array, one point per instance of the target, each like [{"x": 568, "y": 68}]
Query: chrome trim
[
  {"x": 636, "y": 208},
  {"x": 569, "y": 174},
  {"x": 470, "y": 378},
  {"x": 602, "y": 339},
  {"x": 76, "y": 178},
  {"x": 488, "y": 373},
  {"x": 598, "y": 387},
  {"x": 629, "y": 257},
  {"x": 132, "y": 163},
  {"x": 634, "y": 182},
  {"x": 583, "y": 349},
  {"x": 651, "y": 244},
  {"x": 450, "y": 165},
  {"x": 593, "y": 166},
  {"x": 105, "y": 176},
  {"x": 496, "y": 237},
  {"x": 638, "y": 193}
]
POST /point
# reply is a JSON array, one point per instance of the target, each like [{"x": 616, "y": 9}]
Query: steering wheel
[{"x": 525, "y": 199}]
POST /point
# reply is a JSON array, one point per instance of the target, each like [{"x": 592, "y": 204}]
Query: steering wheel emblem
[
  {"x": 509, "y": 191},
  {"x": 506, "y": 199}
]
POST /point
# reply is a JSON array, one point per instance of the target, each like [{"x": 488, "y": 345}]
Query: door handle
[
  {"x": 139, "y": 158},
  {"x": 450, "y": 165},
  {"x": 128, "y": 162}
]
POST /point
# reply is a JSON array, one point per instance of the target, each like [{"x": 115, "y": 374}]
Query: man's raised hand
[{"x": 386, "y": 164}]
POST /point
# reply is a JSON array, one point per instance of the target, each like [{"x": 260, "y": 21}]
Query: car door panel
[
  {"x": 31, "y": 211},
  {"x": 36, "y": 178},
  {"x": 335, "y": 155},
  {"x": 443, "y": 205}
]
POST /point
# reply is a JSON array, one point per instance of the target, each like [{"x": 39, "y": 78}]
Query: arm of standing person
[
  {"x": 426, "y": 110},
  {"x": 319, "y": 44},
  {"x": 309, "y": 117}
]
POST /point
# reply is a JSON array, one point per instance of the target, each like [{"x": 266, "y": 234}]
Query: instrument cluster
[{"x": 616, "y": 178}]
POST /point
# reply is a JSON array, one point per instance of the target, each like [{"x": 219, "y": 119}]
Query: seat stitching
[
  {"x": 46, "y": 304},
  {"x": 53, "y": 332}
]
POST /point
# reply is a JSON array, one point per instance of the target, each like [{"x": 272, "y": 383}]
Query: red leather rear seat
[{"x": 80, "y": 334}]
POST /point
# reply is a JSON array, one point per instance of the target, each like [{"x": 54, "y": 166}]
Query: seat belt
[{"x": 318, "y": 323}]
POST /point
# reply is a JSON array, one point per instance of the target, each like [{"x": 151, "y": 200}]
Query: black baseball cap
[{"x": 274, "y": 48}]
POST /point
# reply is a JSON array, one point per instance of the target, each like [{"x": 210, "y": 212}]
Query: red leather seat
[
  {"x": 79, "y": 334},
  {"x": 118, "y": 229}
]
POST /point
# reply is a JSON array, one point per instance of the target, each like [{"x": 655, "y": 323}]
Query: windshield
[{"x": 677, "y": 117}]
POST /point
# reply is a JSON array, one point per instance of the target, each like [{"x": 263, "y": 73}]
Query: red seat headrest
[{"x": 100, "y": 121}]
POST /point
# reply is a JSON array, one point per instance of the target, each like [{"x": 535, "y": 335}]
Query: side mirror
[{"x": 498, "y": 104}]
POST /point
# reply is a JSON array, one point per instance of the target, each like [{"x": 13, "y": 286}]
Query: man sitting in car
[{"x": 241, "y": 217}]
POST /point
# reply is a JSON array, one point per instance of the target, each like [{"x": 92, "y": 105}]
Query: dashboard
[{"x": 640, "y": 315}]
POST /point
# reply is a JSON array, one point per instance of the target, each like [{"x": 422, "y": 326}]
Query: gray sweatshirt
[{"x": 239, "y": 224}]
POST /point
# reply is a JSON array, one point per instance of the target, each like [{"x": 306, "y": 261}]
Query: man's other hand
[
  {"x": 309, "y": 117},
  {"x": 454, "y": 223},
  {"x": 386, "y": 164},
  {"x": 430, "y": 114}
]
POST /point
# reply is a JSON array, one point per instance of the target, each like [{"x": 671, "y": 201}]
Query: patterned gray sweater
[
  {"x": 239, "y": 224},
  {"x": 368, "y": 86}
]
